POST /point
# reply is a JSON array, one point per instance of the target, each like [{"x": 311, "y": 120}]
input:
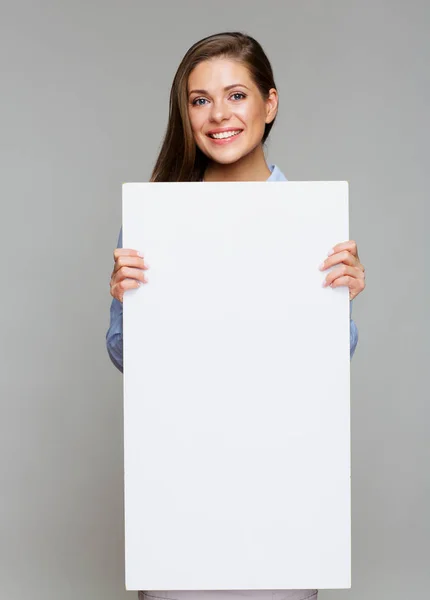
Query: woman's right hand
[{"x": 128, "y": 272}]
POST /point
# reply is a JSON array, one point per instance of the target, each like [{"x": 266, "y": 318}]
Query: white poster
[{"x": 236, "y": 388}]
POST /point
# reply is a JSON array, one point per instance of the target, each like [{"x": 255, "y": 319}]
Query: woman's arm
[
  {"x": 114, "y": 334},
  {"x": 348, "y": 271},
  {"x": 114, "y": 343},
  {"x": 353, "y": 333}
]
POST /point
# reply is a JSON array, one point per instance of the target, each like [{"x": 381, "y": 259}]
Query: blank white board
[{"x": 236, "y": 388}]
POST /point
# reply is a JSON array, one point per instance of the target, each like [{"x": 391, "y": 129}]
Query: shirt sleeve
[
  {"x": 114, "y": 340},
  {"x": 353, "y": 333}
]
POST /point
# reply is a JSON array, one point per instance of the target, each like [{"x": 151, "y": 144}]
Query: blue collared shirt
[{"x": 114, "y": 334}]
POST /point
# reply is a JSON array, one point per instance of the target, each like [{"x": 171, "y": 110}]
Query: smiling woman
[
  {"x": 223, "y": 104},
  {"x": 228, "y": 120}
]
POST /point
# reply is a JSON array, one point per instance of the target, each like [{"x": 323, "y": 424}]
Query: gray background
[{"x": 84, "y": 95}]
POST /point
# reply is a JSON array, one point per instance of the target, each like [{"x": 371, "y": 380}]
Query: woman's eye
[{"x": 203, "y": 101}]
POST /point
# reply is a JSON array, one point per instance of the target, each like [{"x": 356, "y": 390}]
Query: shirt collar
[{"x": 276, "y": 174}]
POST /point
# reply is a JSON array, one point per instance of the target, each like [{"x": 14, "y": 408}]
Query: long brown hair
[{"x": 180, "y": 159}]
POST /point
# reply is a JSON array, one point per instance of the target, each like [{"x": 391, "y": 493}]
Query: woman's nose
[{"x": 219, "y": 112}]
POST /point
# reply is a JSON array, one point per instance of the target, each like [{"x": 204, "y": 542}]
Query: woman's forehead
[{"x": 218, "y": 72}]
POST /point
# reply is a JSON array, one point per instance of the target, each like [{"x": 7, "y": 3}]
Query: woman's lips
[{"x": 223, "y": 141}]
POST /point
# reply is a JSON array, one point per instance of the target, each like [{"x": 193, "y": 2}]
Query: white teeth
[{"x": 224, "y": 134}]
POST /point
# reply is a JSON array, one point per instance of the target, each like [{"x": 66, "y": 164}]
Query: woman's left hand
[{"x": 350, "y": 271}]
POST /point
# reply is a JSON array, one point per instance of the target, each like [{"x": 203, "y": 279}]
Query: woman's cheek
[
  {"x": 196, "y": 128},
  {"x": 200, "y": 142}
]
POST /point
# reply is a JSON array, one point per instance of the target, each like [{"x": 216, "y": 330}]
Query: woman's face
[{"x": 227, "y": 112}]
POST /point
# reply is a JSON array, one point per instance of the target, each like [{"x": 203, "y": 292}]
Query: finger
[
  {"x": 346, "y": 281},
  {"x": 344, "y": 256},
  {"x": 349, "y": 245},
  {"x": 342, "y": 271},
  {"x": 130, "y": 261},
  {"x": 355, "y": 285},
  {"x": 126, "y": 252},
  {"x": 129, "y": 273},
  {"x": 123, "y": 286}
]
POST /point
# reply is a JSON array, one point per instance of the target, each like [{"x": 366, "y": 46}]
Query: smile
[
  {"x": 224, "y": 134},
  {"x": 222, "y": 138}
]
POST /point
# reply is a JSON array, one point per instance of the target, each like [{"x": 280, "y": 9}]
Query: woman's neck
[{"x": 252, "y": 167}]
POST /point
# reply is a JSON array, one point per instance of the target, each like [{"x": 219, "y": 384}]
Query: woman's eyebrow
[{"x": 228, "y": 87}]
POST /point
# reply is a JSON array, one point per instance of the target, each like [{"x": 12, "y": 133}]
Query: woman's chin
[{"x": 225, "y": 156}]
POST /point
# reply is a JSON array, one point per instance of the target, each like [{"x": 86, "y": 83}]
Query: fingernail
[
  {"x": 324, "y": 283},
  {"x": 140, "y": 254},
  {"x": 321, "y": 267},
  {"x": 330, "y": 252}
]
